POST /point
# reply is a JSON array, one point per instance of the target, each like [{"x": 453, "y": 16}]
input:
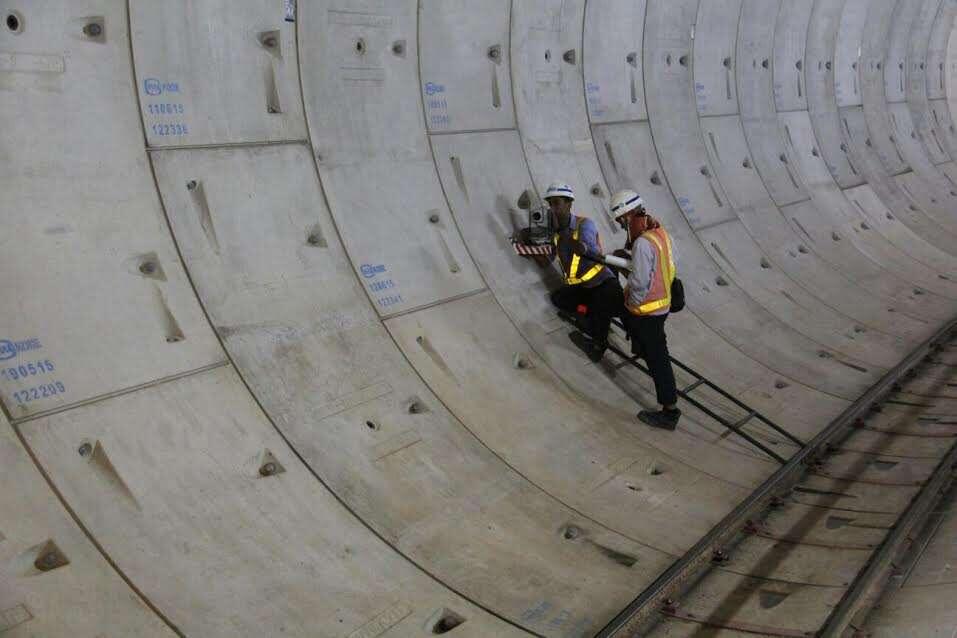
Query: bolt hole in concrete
[
  {"x": 360, "y": 46},
  {"x": 445, "y": 621},
  {"x": 14, "y": 22},
  {"x": 85, "y": 449},
  {"x": 268, "y": 469},
  {"x": 191, "y": 185},
  {"x": 147, "y": 268},
  {"x": 173, "y": 339},
  {"x": 398, "y": 47},
  {"x": 93, "y": 30},
  {"x": 571, "y": 533},
  {"x": 548, "y": 55},
  {"x": 372, "y": 425}
]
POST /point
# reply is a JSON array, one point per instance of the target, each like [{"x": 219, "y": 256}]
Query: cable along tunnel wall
[{"x": 296, "y": 257}]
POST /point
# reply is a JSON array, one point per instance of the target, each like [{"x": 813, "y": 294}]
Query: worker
[
  {"x": 648, "y": 299},
  {"x": 589, "y": 285}
]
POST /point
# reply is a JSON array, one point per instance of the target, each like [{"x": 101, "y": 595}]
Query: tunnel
[{"x": 270, "y": 364}]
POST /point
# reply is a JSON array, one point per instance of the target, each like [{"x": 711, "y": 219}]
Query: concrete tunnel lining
[{"x": 240, "y": 239}]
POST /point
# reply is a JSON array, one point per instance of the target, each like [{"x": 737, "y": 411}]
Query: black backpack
[{"x": 677, "y": 295}]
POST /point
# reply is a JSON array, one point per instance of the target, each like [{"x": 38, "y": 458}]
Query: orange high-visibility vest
[
  {"x": 659, "y": 296},
  {"x": 570, "y": 261}
]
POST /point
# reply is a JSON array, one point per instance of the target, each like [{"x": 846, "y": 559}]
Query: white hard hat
[
  {"x": 560, "y": 189},
  {"x": 624, "y": 202}
]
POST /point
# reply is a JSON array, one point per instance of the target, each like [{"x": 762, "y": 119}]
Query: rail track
[{"x": 808, "y": 553}]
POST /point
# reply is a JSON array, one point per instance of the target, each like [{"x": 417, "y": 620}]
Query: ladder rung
[
  {"x": 750, "y": 416},
  {"x": 692, "y": 386}
]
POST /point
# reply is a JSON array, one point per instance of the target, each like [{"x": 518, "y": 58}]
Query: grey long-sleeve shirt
[{"x": 644, "y": 264}]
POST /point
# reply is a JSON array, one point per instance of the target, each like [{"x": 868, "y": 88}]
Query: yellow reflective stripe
[
  {"x": 573, "y": 277},
  {"x": 655, "y": 305},
  {"x": 573, "y": 269}
]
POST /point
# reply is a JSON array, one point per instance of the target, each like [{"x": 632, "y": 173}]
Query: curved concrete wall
[{"x": 270, "y": 364}]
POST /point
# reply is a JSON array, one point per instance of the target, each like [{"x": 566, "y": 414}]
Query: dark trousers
[
  {"x": 648, "y": 341},
  {"x": 604, "y": 301}
]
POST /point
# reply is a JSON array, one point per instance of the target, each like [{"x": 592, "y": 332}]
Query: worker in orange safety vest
[{"x": 648, "y": 299}]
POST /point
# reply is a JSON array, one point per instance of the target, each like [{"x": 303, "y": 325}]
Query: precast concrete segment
[
  {"x": 898, "y": 41},
  {"x": 847, "y": 52},
  {"x": 937, "y": 146},
  {"x": 614, "y": 83},
  {"x": 825, "y": 118},
  {"x": 840, "y": 155},
  {"x": 937, "y": 52},
  {"x": 549, "y": 90},
  {"x": 790, "y": 42},
  {"x": 868, "y": 131},
  {"x": 756, "y": 89},
  {"x": 362, "y": 419},
  {"x": 875, "y": 54},
  {"x": 174, "y": 485},
  {"x": 894, "y": 117},
  {"x": 929, "y": 187},
  {"x": 54, "y": 581},
  {"x": 360, "y": 81},
  {"x": 770, "y": 157},
  {"x": 715, "y": 60},
  {"x": 833, "y": 224},
  {"x": 114, "y": 308},
  {"x": 950, "y": 79},
  {"x": 237, "y": 81},
  {"x": 879, "y": 213},
  {"x": 820, "y": 77},
  {"x": 936, "y": 75},
  {"x": 465, "y": 65},
  {"x": 704, "y": 204},
  {"x": 765, "y": 225}
]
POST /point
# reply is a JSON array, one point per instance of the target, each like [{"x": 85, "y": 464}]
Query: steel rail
[{"x": 646, "y": 607}]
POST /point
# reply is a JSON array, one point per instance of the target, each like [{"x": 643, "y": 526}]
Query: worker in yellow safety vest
[
  {"x": 591, "y": 289},
  {"x": 648, "y": 299}
]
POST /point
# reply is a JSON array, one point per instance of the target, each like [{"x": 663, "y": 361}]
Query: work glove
[{"x": 566, "y": 238}]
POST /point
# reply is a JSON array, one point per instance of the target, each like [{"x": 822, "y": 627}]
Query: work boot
[
  {"x": 664, "y": 419},
  {"x": 596, "y": 351},
  {"x": 592, "y": 349}
]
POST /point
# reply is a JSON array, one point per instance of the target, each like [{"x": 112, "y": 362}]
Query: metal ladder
[{"x": 701, "y": 380}]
